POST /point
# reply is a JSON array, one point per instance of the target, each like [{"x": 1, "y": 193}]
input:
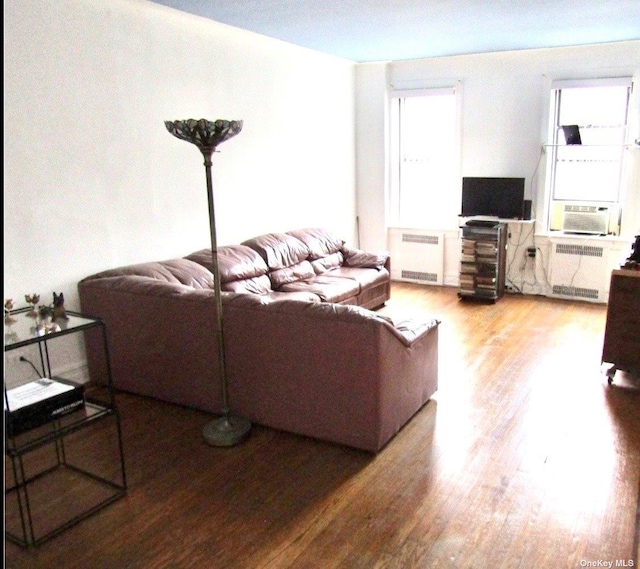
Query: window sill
[{"x": 552, "y": 235}]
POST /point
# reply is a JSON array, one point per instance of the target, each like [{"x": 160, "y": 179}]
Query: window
[
  {"x": 424, "y": 163},
  {"x": 585, "y": 174}
]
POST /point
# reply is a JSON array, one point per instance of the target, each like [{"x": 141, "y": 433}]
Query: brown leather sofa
[
  {"x": 312, "y": 263},
  {"x": 300, "y": 357}
]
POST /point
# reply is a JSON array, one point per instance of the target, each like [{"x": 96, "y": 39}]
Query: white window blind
[{"x": 423, "y": 156}]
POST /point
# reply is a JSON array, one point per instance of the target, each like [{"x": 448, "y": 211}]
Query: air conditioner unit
[{"x": 588, "y": 219}]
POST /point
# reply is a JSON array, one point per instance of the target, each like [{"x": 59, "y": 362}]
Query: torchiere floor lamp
[{"x": 227, "y": 430}]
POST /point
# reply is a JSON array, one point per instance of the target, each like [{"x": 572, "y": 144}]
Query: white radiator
[
  {"x": 579, "y": 271},
  {"x": 417, "y": 255}
]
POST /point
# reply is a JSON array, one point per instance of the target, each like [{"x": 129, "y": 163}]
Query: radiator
[
  {"x": 417, "y": 255},
  {"x": 579, "y": 271}
]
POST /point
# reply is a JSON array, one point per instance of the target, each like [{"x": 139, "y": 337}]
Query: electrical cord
[
  {"x": 516, "y": 247},
  {"x": 23, "y": 359},
  {"x": 521, "y": 240},
  {"x": 575, "y": 273},
  {"x": 542, "y": 266},
  {"x": 535, "y": 283},
  {"x": 543, "y": 270},
  {"x": 535, "y": 171},
  {"x": 523, "y": 281}
]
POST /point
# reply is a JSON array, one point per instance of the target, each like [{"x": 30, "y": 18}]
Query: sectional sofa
[{"x": 304, "y": 351}]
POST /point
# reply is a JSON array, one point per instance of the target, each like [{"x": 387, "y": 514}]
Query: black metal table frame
[{"x": 95, "y": 410}]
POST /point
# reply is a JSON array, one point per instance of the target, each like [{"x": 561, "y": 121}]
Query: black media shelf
[{"x": 483, "y": 262}]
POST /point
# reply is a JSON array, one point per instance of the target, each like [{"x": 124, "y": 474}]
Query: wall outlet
[{"x": 531, "y": 252}]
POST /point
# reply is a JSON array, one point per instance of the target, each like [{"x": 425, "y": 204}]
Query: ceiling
[{"x": 383, "y": 30}]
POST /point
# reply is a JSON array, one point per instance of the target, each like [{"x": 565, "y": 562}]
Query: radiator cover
[
  {"x": 417, "y": 255},
  {"x": 579, "y": 271}
]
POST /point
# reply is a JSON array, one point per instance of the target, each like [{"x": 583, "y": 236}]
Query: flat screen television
[{"x": 493, "y": 197}]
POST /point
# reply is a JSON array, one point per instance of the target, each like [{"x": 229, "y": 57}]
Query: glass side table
[{"x": 68, "y": 463}]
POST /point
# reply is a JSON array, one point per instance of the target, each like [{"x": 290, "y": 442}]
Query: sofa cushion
[
  {"x": 320, "y": 242},
  {"x": 365, "y": 277},
  {"x": 324, "y": 264},
  {"x": 328, "y": 288},
  {"x": 235, "y": 262},
  {"x": 254, "y": 285},
  {"x": 297, "y": 272},
  {"x": 278, "y": 250},
  {"x": 303, "y": 296}
]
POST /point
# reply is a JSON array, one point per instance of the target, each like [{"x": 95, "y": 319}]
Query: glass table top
[{"x": 21, "y": 328}]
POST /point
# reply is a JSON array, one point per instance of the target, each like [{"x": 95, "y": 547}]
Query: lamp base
[{"x": 226, "y": 431}]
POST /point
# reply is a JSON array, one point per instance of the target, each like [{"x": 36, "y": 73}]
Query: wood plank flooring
[{"x": 524, "y": 458}]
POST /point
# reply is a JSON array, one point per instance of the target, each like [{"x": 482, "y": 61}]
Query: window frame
[
  {"x": 395, "y": 95},
  {"x": 557, "y": 142}
]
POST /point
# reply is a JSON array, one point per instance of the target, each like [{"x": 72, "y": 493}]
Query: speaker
[{"x": 526, "y": 210}]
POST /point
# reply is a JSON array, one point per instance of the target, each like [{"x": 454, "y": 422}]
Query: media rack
[{"x": 483, "y": 262}]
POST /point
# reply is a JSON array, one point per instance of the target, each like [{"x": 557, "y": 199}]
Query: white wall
[
  {"x": 93, "y": 179},
  {"x": 505, "y": 100},
  {"x": 371, "y": 145}
]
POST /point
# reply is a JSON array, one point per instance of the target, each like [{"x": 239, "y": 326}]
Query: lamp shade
[{"x": 205, "y": 134}]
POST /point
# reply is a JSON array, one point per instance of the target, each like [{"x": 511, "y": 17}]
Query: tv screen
[{"x": 493, "y": 197}]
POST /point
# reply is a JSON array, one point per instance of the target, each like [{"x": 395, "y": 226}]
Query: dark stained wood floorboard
[{"x": 525, "y": 458}]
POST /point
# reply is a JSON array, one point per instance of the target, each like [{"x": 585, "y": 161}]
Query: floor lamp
[{"x": 227, "y": 430}]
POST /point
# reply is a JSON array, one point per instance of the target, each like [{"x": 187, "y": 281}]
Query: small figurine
[
  {"x": 45, "y": 312},
  {"x": 59, "y": 311},
  {"x": 45, "y": 323},
  {"x": 32, "y": 299},
  {"x": 8, "y": 307}
]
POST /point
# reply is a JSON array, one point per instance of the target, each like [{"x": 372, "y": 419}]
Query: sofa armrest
[
  {"x": 364, "y": 259},
  {"x": 333, "y": 372},
  {"x": 410, "y": 331}
]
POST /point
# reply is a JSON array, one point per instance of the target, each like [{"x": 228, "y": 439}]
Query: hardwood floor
[{"x": 524, "y": 458}]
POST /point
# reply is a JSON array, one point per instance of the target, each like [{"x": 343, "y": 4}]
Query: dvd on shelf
[{"x": 38, "y": 402}]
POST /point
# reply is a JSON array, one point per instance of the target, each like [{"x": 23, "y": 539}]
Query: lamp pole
[{"x": 226, "y": 430}]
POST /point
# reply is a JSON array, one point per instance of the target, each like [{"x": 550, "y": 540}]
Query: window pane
[
  {"x": 592, "y": 181},
  {"x": 594, "y": 106},
  {"x": 427, "y": 159},
  {"x": 591, "y": 171}
]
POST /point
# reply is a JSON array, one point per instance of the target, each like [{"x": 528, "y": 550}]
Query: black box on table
[{"x": 36, "y": 403}]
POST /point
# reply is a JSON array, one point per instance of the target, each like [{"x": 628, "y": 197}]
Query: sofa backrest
[
  {"x": 298, "y": 254},
  {"x": 241, "y": 268},
  {"x": 278, "y": 250},
  {"x": 405, "y": 331},
  {"x": 285, "y": 255},
  {"x": 325, "y": 249},
  {"x": 319, "y": 241},
  {"x": 176, "y": 271}
]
